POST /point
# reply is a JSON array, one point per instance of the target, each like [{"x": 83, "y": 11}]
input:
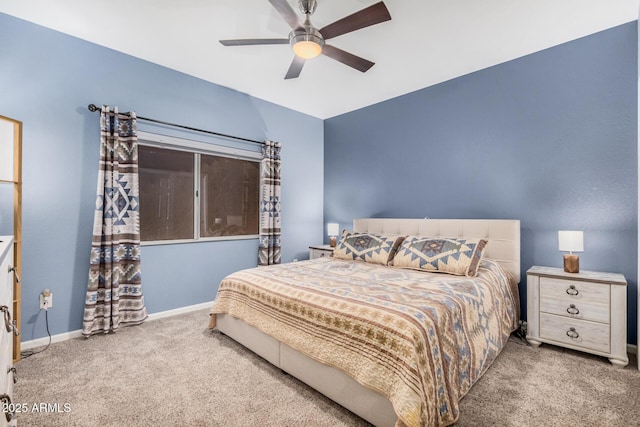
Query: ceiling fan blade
[
  {"x": 287, "y": 13},
  {"x": 295, "y": 68},
  {"x": 250, "y": 42},
  {"x": 347, "y": 58},
  {"x": 366, "y": 17}
]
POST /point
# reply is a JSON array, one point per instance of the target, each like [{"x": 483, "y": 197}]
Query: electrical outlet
[{"x": 46, "y": 300}]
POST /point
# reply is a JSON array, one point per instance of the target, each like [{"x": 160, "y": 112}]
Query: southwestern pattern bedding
[{"x": 421, "y": 339}]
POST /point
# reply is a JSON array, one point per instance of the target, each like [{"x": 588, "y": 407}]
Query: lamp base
[
  {"x": 332, "y": 241},
  {"x": 571, "y": 263}
]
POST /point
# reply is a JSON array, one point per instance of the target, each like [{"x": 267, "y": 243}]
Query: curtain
[
  {"x": 114, "y": 291},
  {"x": 269, "y": 249}
]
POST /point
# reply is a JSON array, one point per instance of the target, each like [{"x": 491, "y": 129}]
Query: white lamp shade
[
  {"x": 333, "y": 229},
  {"x": 570, "y": 241}
]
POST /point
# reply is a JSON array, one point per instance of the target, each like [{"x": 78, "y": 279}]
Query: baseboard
[
  {"x": 181, "y": 310},
  {"x": 632, "y": 348},
  {"x": 38, "y": 342}
]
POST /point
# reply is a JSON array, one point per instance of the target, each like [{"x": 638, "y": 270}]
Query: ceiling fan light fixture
[{"x": 307, "y": 46}]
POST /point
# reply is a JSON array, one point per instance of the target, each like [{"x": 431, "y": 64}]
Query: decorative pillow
[
  {"x": 367, "y": 247},
  {"x": 447, "y": 255}
]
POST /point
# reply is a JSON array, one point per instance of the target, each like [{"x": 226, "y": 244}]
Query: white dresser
[
  {"x": 7, "y": 327},
  {"x": 585, "y": 311}
]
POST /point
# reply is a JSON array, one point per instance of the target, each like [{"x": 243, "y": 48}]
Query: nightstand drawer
[
  {"x": 580, "y": 333},
  {"x": 324, "y": 251},
  {"x": 319, "y": 253},
  {"x": 574, "y": 290},
  {"x": 596, "y": 312}
]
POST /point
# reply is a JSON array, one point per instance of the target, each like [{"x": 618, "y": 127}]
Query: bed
[{"x": 396, "y": 344}]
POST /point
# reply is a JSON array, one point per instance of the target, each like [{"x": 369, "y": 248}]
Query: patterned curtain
[
  {"x": 269, "y": 250},
  {"x": 114, "y": 292}
]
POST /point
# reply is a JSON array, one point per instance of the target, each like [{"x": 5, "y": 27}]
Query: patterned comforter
[{"x": 420, "y": 339}]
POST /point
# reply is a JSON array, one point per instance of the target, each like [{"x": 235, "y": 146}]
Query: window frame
[{"x": 198, "y": 148}]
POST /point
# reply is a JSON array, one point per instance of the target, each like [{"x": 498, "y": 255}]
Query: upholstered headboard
[{"x": 503, "y": 234}]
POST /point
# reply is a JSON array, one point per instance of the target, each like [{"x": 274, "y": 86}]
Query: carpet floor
[{"x": 175, "y": 372}]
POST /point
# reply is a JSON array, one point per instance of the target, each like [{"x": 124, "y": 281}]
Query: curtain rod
[{"x": 93, "y": 107}]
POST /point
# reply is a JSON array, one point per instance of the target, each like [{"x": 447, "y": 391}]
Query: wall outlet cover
[{"x": 46, "y": 301}]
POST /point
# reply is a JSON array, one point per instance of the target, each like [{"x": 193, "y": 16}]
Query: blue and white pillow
[
  {"x": 367, "y": 247},
  {"x": 441, "y": 254}
]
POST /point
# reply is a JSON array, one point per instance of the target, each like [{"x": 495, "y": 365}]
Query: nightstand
[
  {"x": 320, "y": 251},
  {"x": 584, "y": 311}
]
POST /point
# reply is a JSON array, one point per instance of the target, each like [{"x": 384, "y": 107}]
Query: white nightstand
[
  {"x": 320, "y": 251},
  {"x": 585, "y": 311}
]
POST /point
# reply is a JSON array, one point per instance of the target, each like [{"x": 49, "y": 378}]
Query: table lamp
[
  {"x": 571, "y": 241},
  {"x": 333, "y": 229}
]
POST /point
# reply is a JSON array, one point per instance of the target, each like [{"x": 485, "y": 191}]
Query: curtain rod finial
[{"x": 92, "y": 107}]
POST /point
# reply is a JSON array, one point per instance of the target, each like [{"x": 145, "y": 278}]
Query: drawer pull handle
[
  {"x": 573, "y": 310},
  {"x": 571, "y": 333},
  {"x": 572, "y": 290},
  {"x": 15, "y": 374},
  {"x": 6, "y": 402},
  {"x": 7, "y": 318},
  {"x": 15, "y": 274}
]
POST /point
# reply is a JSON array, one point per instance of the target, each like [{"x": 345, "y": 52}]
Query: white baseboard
[
  {"x": 181, "y": 310},
  {"x": 38, "y": 342}
]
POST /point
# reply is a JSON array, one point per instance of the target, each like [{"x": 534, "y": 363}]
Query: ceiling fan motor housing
[{"x": 308, "y": 38}]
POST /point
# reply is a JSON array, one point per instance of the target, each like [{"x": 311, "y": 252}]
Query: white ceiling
[{"x": 425, "y": 43}]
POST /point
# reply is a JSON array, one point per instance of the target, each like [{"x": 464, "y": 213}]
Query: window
[
  {"x": 166, "y": 193},
  {"x": 229, "y": 193},
  {"x": 187, "y": 193}
]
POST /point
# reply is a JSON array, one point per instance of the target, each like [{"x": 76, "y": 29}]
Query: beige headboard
[{"x": 503, "y": 234}]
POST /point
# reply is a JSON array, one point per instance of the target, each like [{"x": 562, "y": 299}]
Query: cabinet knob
[
  {"x": 572, "y": 333},
  {"x": 572, "y": 290},
  {"x": 573, "y": 310}
]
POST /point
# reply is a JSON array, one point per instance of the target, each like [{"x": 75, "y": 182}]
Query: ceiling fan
[{"x": 308, "y": 42}]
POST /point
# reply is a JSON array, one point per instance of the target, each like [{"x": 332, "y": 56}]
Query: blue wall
[
  {"x": 550, "y": 139},
  {"x": 47, "y": 79}
]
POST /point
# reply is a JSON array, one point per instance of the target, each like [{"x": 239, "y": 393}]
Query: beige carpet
[{"x": 174, "y": 372}]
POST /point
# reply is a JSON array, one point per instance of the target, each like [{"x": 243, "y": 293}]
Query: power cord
[{"x": 29, "y": 353}]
